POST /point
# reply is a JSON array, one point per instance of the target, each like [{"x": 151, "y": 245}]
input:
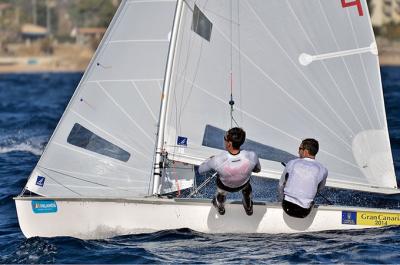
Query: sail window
[
  {"x": 213, "y": 137},
  {"x": 201, "y": 24},
  {"x": 82, "y": 137}
]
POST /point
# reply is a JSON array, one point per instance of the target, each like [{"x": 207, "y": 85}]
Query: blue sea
[{"x": 30, "y": 107}]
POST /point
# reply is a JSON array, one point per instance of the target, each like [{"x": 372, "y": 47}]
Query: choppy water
[{"x": 30, "y": 107}]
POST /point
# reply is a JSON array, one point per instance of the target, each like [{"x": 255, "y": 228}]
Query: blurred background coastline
[
  {"x": 51, "y": 35},
  {"x": 62, "y": 35}
]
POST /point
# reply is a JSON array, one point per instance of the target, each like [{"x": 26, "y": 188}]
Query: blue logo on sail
[
  {"x": 40, "y": 181},
  {"x": 349, "y": 218},
  {"x": 48, "y": 206},
  {"x": 182, "y": 141}
]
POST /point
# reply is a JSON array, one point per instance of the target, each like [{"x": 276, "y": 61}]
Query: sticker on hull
[
  {"x": 39, "y": 206},
  {"x": 370, "y": 218}
]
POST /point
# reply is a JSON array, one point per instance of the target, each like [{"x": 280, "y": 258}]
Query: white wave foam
[{"x": 22, "y": 147}]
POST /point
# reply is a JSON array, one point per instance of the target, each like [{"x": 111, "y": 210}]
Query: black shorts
[
  {"x": 229, "y": 189},
  {"x": 295, "y": 210}
]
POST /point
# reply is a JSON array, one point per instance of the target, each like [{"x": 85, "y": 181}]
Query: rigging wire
[
  {"x": 194, "y": 192},
  {"x": 231, "y": 100}
]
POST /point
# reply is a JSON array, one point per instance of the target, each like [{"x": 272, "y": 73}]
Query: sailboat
[{"x": 170, "y": 76}]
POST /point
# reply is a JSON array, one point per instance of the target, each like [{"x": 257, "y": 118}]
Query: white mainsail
[
  {"x": 104, "y": 144},
  {"x": 299, "y": 69}
]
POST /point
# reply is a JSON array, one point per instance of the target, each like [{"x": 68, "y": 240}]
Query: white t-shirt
[
  {"x": 233, "y": 170},
  {"x": 306, "y": 177}
]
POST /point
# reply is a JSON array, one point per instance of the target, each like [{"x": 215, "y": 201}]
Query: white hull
[{"x": 102, "y": 218}]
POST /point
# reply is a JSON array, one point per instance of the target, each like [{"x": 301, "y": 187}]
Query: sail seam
[
  {"x": 93, "y": 176},
  {"x": 62, "y": 185},
  {"x": 362, "y": 62},
  {"x": 246, "y": 113},
  {"x": 109, "y": 37},
  {"x": 282, "y": 89},
  {"x": 129, "y": 189},
  {"x": 364, "y": 69},
  {"x": 125, "y": 113},
  {"x": 144, "y": 101},
  {"x": 302, "y": 73},
  {"x": 327, "y": 70},
  {"x": 343, "y": 60},
  {"x": 269, "y": 125},
  {"x": 159, "y": 83},
  {"x": 84, "y": 180}
]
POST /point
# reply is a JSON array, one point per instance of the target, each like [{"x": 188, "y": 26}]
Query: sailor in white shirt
[
  {"x": 234, "y": 168},
  {"x": 301, "y": 180}
]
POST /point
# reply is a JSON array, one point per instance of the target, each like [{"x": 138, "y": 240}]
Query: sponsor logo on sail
[
  {"x": 182, "y": 141},
  {"x": 47, "y": 206},
  {"x": 40, "y": 181}
]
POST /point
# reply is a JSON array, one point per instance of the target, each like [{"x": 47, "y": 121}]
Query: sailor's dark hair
[
  {"x": 236, "y": 136},
  {"x": 311, "y": 145}
]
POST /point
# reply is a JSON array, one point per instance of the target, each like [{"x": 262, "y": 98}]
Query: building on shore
[
  {"x": 33, "y": 32},
  {"x": 88, "y": 36},
  {"x": 385, "y": 12}
]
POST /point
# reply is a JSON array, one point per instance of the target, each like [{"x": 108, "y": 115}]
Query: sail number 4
[{"x": 357, "y": 3}]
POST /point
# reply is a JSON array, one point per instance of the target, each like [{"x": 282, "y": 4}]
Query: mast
[{"x": 164, "y": 98}]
